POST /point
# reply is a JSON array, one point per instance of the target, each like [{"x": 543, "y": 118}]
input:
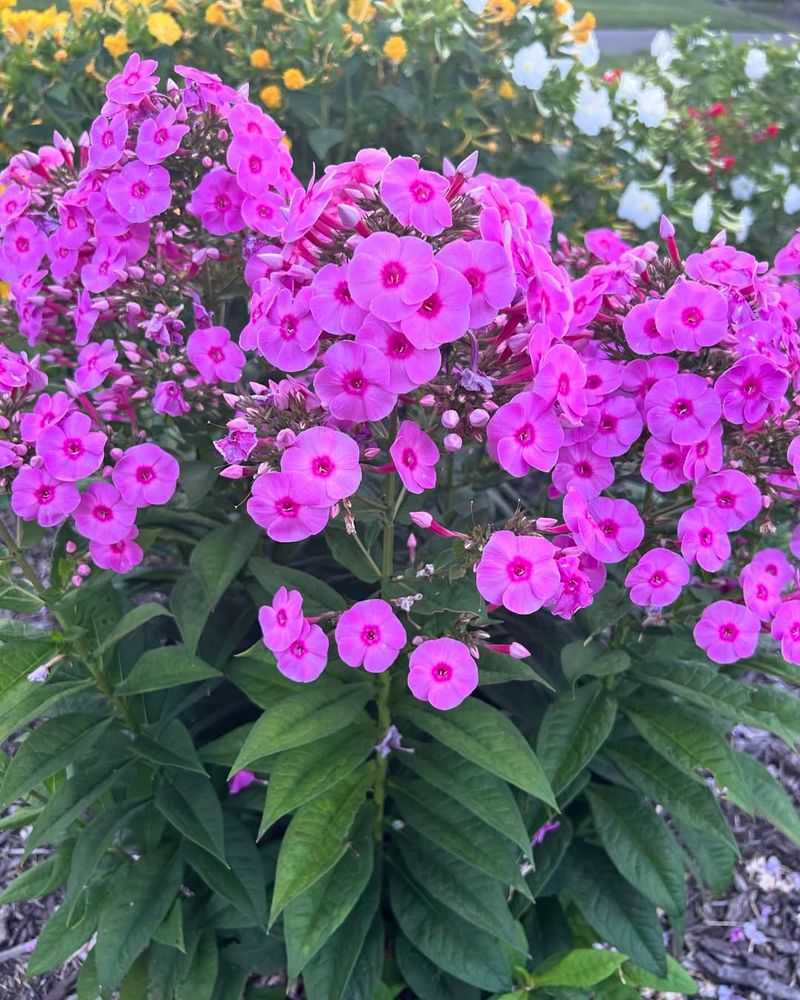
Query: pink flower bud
[
  {"x": 179, "y": 368},
  {"x": 84, "y": 570},
  {"x": 518, "y": 651},
  {"x": 233, "y": 472},
  {"x": 421, "y": 518},
  {"x": 76, "y": 580},
  {"x": 452, "y": 442},
  {"x": 478, "y": 418},
  {"x": 285, "y": 438},
  {"x": 71, "y": 548},
  {"x": 450, "y": 419},
  {"x": 427, "y": 400}
]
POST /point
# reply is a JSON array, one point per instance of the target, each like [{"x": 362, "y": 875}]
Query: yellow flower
[
  {"x": 5, "y": 288},
  {"x": 89, "y": 68},
  {"x": 395, "y": 49},
  {"x": 274, "y": 6},
  {"x": 61, "y": 55},
  {"x": 116, "y": 44},
  {"x": 360, "y": 11},
  {"x": 271, "y": 97},
  {"x": 357, "y": 38},
  {"x": 215, "y": 14},
  {"x": 582, "y": 30},
  {"x": 164, "y": 28},
  {"x": 78, "y": 7},
  {"x": 506, "y": 91},
  {"x": 260, "y": 59},
  {"x": 293, "y": 79},
  {"x": 5, "y": 4},
  {"x": 562, "y": 7},
  {"x": 501, "y": 10}
]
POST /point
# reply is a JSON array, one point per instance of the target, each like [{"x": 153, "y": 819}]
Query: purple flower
[
  {"x": 102, "y": 514},
  {"x": 693, "y": 316},
  {"x": 23, "y": 247},
  {"x": 517, "y": 571},
  {"x": 702, "y": 534},
  {"x": 288, "y": 336},
  {"x": 561, "y": 378},
  {"x": 328, "y": 457},
  {"x": 139, "y": 192},
  {"x": 135, "y": 80},
  {"x": 641, "y": 331},
  {"x": 415, "y": 455},
  {"x": 282, "y": 622},
  {"x": 71, "y": 450},
  {"x": 409, "y": 366},
  {"x": 48, "y": 410},
  {"x": 354, "y": 382},
  {"x": 579, "y": 468},
  {"x": 107, "y": 138},
  {"x": 682, "y": 409},
  {"x": 722, "y": 266},
  {"x": 525, "y": 434},
  {"x": 105, "y": 268},
  {"x": 240, "y": 781},
  {"x": 657, "y": 579},
  {"x": 609, "y": 529},
  {"x": 13, "y": 202},
  {"x": 370, "y": 635},
  {"x": 662, "y": 464},
  {"x": 217, "y": 202},
  {"x": 416, "y": 197},
  {"x": 727, "y": 632},
  {"x": 254, "y": 160},
  {"x": 391, "y": 276},
  {"x": 159, "y": 137},
  {"x": 264, "y": 212},
  {"x": 489, "y": 272},
  {"x": 543, "y": 831},
  {"x": 305, "y": 657},
  {"x": 95, "y": 361},
  {"x": 146, "y": 475},
  {"x": 442, "y": 672},
  {"x": 734, "y": 497},
  {"x": 121, "y": 556},
  {"x": 215, "y": 355},
  {"x": 618, "y": 426},
  {"x": 786, "y": 630},
  {"x": 288, "y": 505},
  {"x": 749, "y": 389},
  {"x": 168, "y": 398},
  {"x": 37, "y": 495}
]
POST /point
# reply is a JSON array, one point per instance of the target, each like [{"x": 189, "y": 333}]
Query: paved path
[{"x": 615, "y": 41}]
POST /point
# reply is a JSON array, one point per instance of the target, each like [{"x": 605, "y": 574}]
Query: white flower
[
  {"x": 593, "y": 110},
  {"x": 665, "y": 178},
  {"x": 476, "y": 6},
  {"x": 663, "y": 49},
  {"x": 756, "y": 65},
  {"x": 629, "y": 87},
  {"x": 531, "y": 66},
  {"x": 746, "y": 219},
  {"x": 780, "y": 170},
  {"x": 703, "y": 213},
  {"x": 791, "y": 200},
  {"x": 651, "y": 106},
  {"x": 587, "y": 54},
  {"x": 639, "y": 206},
  {"x": 743, "y": 187}
]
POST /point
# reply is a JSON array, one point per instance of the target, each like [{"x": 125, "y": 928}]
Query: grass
[{"x": 663, "y": 13}]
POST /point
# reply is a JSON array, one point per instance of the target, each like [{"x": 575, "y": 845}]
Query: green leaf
[
  {"x": 170, "y": 930},
  {"x": 617, "y": 911},
  {"x": 581, "y": 658},
  {"x": 38, "y": 880},
  {"x": 573, "y": 729},
  {"x": 304, "y": 772},
  {"x": 20, "y": 658},
  {"x": 61, "y": 937},
  {"x": 677, "y": 979},
  {"x": 225, "y": 749},
  {"x": 345, "y": 551},
  {"x": 224, "y": 881},
  {"x": 49, "y": 749},
  {"x": 312, "y": 713},
  {"x": 579, "y": 967},
  {"x": 482, "y": 793},
  {"x": 139, "y": 898},
  {"x": 453, "y": 944},
  {"x": 427, "y": 980},
  {"x": 199, "y": 981},
  {"x": 485, "y": 736},
  {"x": 322, "y": 140},
  {"x": 188, "y": 801},
  {"x": 716, "y": 861},
  {"x": 318, "y": 597},
  {"x": 133, "y": 620},
  {"x": 27, "y": 701},
  {"x": 444, "y": 821},
  {"x": 165, "y": 668},
  {"x": 168, "y": 746},
  {"x": 768, "y": 797},
  {"x": 317, "y": 837},
  {"x": 499, "y": 668},
  {"x": 474, "y": 896},
  {"x": 262, "y": 683},
  {"x": 313, "y": 916},
  {"x": 640, "y": 844}
]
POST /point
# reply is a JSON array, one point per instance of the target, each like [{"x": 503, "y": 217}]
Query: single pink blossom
[
  {"x": 282, "y": 622},
  {"x": 416, "y": 197},
  {"x": 168, "y": 398},
  {"x": 95, "y": 361},
  {"x": 618, "y": 426},
  {"x": 444, "y": 315},
  {"x": 517, "y": 571},
  {"x": 240, "y": 781},
  {"x": 217, "y": 202},
  {"x": 727, "y": 632},
  {"x": 576, "y": 587},
  {"x": 253, "y": 158},
  {"x": 139, "y": 192},
  {"x": 641, "y": 331},
  {"x": 657, "y": 578},
  {"x": 288, "y": 505},
  {"x": 489, "y": 272},
  {"x": 48, "y": 410},
  {"x": 703, "y": 538},
  {"x": 692, "y": 316},
  {"x": 369, "y": 634},
  {"x": 682, "y": 409},
  {"x": 662, "y": 464},
  {"x": 409, "y": 366},
  {"x": 305, "y": 657},
  {"x": 761, "y": 592},
  {"x": 415, "y": 455},
  {"x": 103, "y": 515},
  {"x": 215, "y": 355},
  {"x": 442, "y": 672},
  {"x": 524, "y": 434},
  {"x": 37, "y": 495},
  {"x": 160, "y": 137},
  {"x": 391, "y": 276},
  {"x": 107, "y": 138},
  {"x": 354, "y": 382},
  {"x": 579, "y": 468},
  {"x": 750, "y": 388},
  {"x": 561, "y": 378},
  {"x": 327, "y": 456},
  {"x": 772, "y": 562},
  {"x": 71, "y": 450},
  {"x": 146, "y": 475},
  {"x": 786, "y": 630},
  {"x": 121, "y": 556},
  {"x": 608, "y": 529},
  {"x": 734, "y": 497},
  {"x": 332, "y": 305},
  {"x": 288, "y": 335},
  {"x": 264, "y": 212},
  {"x": 135, "y": 80},
  {"x": 722, "y": 266}
]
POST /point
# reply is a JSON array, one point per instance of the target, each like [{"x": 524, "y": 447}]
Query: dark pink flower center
[
  {"x": 323, "y": 465},
  {"x": 751, "y": 387},
  {"x": 103, "y": 513},
  {"x": 525, "y": 434},
  {"x": 73, "y": 447},
  {"x": 691, "y": 316},
  {"x": 160, "y": 136},
  {"x": 222, "y": 203},
  {"x": 583, "y": 470},
  {"x": 728, "y": 632},
  {"x": 281, "y": 617},
  {"x": 409, "y": 458},
  {"x": 393, "y": 274},
  {"x": 658, "y": 579},
  {"x": 342, "y": 294},
  {"x": 682, "y": 408},
  {"x": 609, "y": 528},
  {"x": 398, "y": 346},
  {"x": 725, "y": 500},
  {"x": 355, "y": 383},
  {"x": 255, "y": 164},
  {"x": 706, "y": 537},
  {"x": 442, "y": 672},
  {"x": 44, "y": 494},
  {"x": 370, "y": 635},
  {"x": 216, "y": 355},
  {"x": 794, "y": 631},
  {"x": 563, "y": 384},
  {"x": 432, "y": 306},
  {"x": 593, "y": 382},
  {"x": 139, "y": 189},
  {"x": 286, "y": 507},
  {"x": 288, "y": 326},
  {"x": 520, "y": 569},
  {"x": 476, "y": 278},
  {"x": 421, "y": 191},
  {"x": 145, "y": 474},
  {"x": 264, "y": 211},
  {"x": 650, "y": 328},
  {"x": 108, "y": 138}
]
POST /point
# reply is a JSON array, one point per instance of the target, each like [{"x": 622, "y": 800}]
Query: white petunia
[
  {"x": 791, "y": 200},
  {"x": 530, "y": 66},
  {"x": 592, "y": 110},
  {"x": 639, "y": 206},
  {"x": 663, "y": 49},
  {"x": 743, "y": 187},
  {"x": 651, "y": 106},
  {"x": 703, "y": 213},
  {"x": 628, "y": 88},
  {"x": 756, "y": 65},
  {"x": 746, "y": 219}
]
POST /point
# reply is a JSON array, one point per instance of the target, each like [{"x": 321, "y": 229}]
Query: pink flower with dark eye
[
  {"x": 705, "y": 456},
  {"x": 579, "y": 468},
  {"x": 370, "y": 635},
  {"x": 727, "y": 632},
  {"x": 135, "y": 80},
  {"x": 215, "y": 355},
  {"x": 328, "y": 457},
  {"x": 517, "y": 571},
  {"x": 391, "y": 276},
  {"x": 524, "y": 434},
  {"x": 692, "y": 316},
  {"x": 416, "y": 197},
  {"x": 722, "y": 266},
  {"x": 489, "y": 273},
  {"x": 639, "y": 376},
  {"x": 608, "y": 529},
  {"x": 95, "y": 361},
  {"x": 618, "y": 426},
  {"x": 146, "y": 475},
  {"x": 48, "y": 410},
  {"x": 749, "y": 388},
  {"x": 662, "y": 464},
  {"x": 354, "y": 382},
  {"x": 641, "y": 332},
  {"x": 415, "y": 455},
  {"x": 289, "y": 506},
  {"x": 444, "y": 315},
  {"x": 283, "y": 621},
  {"x": 332, "y": 305},
  {"x": 561, "y": 378},
  {"x": 71, "y": 450},
  {"x": 605, "y": 244},
  {"x": 168, "y": 398},
  {"x": 105, "y": 268},
  {"x": 305, "y": 657},
  {"x": 442, "y": 672},
  {"x": 160, "y": 137},
  {"x": 761, "y": 592},
  {"x": 288, "y": 335},
  {"x": 773, "y": 563},
  {"x": 786, "y": 630},
  {"x": 577, "y": 586},
  {"x": 703, "y": 538},
  {"x": 102, "y": 514},
  {"x": 787, "y": 259},
  {"x": 734, "y": 497},
  {"x": 217, "y": 202},
  {"x": 13, "y": 370},
  {"x": 657, "y": 579},
  {"x": 121, "y": 556},
  {"x": 264, "y": 212},
  {"x": 139, "y": 192},
  {"x": 409, "y": 366},
  {"x": 682, "y": 409},
  {"x": 14, "y": 199},
  {"x": 107, "y": 138},
  {"x": 63, "y": 259},
  {"x": 254, "y": 160},
  {"x": 23, "y": 247},
  {"x": 602, "y": 378},
  {"x": 37, "y": 495}
]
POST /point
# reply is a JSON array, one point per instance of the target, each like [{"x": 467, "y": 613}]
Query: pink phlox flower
[
  {"x": 140, "y": 192},
  {"x": 391, "y": 276},
  {"x": 306, "y": 207},
  {"x": 215, "y": 355},
  {"x": 641, "y": 331},
  {"x": 750, "y": 388},
  {"x": 773, "y": 563},
  {"x": 206, "y": 88},
  {"x": 369, "y": 634},
  {"x": 327, "y": 456},
  {"x": 14, "y": 199},
  {"x": 289, "y": 335},
  {"x": 639, "y": 377},
  {"x": 264, "y": 212},
  {"x": 735, "y": 498},
  {"x": 217, "y": 202},
  {"x": 46, "y": 411},
  {"x": 549, "y": 292},
  {"x": 103, "y": 515},
  {"x": 663, "y": 464},
  {"x": 134, "y": 82},
  {"x": 618, "y": 426},
  {"x": 488, "y": 269},
  {"x": 575, "y": 590},
  {"x": 240, "y": 441},
  {"x": 282, "y": 621},
  {"x": 24, "y": 244},
  {"x": 722, "y": 266},
  {"x": 107, "y": 138},
  {"x": 787, "y": 259},
  {"x": 85, "y": 316},
  {"x": 786, "y": 630},
  {"x": 354, "y": 382},
  {"x": 415, "y": 455},
  {"x": 579, "y": 468},
  {"x": 442, "y": 672},
  {"x": 517, "y": 571},
  {"x": 289, "y": 506},
  {"x": 71, "y": 450},
  {"x": 73, "y": 228},
  {"x": 146, "y": 475},
  {"x": 703, "y": 538},
  {"x": 761, "y": 592},
  {"x": 693, "y": 316},
  {"x": 305, "y": 657},
  {"x": 95, "y": 361},
  {"x": 524, "y": 434},
  {"x": 602, "y": 378},
  {"x": 657, "y": 579},
  {"x": 682, "y": 409},
  {"x": 253, "y": 159},
  {"x": 409, "y": 366},
  {"x": 240, "y": 781},
  {"x": 705, "y": 456},
  {"x": 160, "y": 137},
  {"x": 561, "y": 378},
  {"x": 605, "y": 244},
  {"x": 63, "y": 259},
  {"x": 13, "y": 370},
  {"x": 105, "y": 268},
  {"x": 416, "y": 197},
  {"x": 608, "y": 529},
  {"x": 247, "y": 119},
  {"x": 727, "y": 632},
  {"x": 168, "y": 398},
  {"x": 121, "y": 556},
  {"x": 38, "y": 495},
  {"x": 443, "y": 316},
  {"x": 587, "y": 297}
]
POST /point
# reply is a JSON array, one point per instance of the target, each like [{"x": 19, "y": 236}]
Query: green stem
[{"x": 368, "y": 556}]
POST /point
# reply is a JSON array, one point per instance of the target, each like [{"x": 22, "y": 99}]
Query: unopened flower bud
[
  {"x": 84, "y": 570},
  {"x": 478, "y": 418},
  {"x": 450, "y": 419},
  {"x": 71, "y": 548},
  {"x": 285, "y": 438},
  {"x": 452, "y": 442}
]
